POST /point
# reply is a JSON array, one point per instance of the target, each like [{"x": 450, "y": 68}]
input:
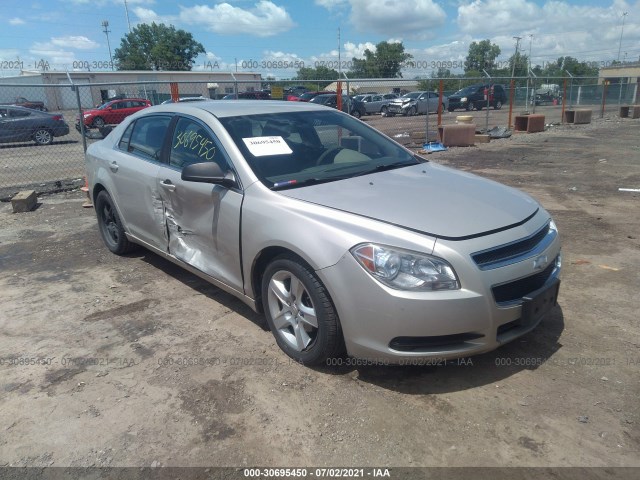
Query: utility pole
[
  {"x": 126, "y": 9},
  {"x": 621, "y": 32},
  {"x": 515, "y": 56},
  {"x": 105, "y": 24}
]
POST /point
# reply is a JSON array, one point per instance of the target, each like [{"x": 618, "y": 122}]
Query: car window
[
  {"x": 147, "y": 136},
  {"x": 18, "y": 114},
  {"x": 389, "y": 96},
  {"x": 377, "y": 98},
  {"x": 123, "y": 144},
  {"x": 193, "y": 143}
]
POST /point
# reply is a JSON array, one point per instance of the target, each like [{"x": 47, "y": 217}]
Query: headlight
[
  {"x": 85, "y": 115},
  {"x": 405, "y": 270},
  {"x": 463, "y": 99}
]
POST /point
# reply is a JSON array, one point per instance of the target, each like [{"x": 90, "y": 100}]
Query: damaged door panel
[{"x": 202, "y": 220}]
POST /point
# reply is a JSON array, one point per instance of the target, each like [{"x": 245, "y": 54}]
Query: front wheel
[
  {"x": 110, "y": 226},
  {"x": 300, "y": 313},
  {"x": 356, "y": 113},
  {"x": 384, "y": 110},
  {"x": 98, "y": 122},
  {"x": 411, "y": 111},
  {"x": 498, "y": 105}
]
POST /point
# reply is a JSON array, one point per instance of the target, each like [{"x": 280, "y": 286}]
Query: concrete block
[
  {"x": 529, "y": 123},
  {"x": 623, "y": 112},
  {"x": 635, "y": 111},
  {"x": 461, "y": 135},
  {"x": 482, "y": 138},
  {"x": 577, "y": 116},
  {"x": 24, "y": 201},
  {"x": 630, "y": 111}
]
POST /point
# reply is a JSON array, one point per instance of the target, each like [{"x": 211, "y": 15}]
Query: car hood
[
  {"x": 427, "y": 198},
  {"x": 403, "y": 100}
]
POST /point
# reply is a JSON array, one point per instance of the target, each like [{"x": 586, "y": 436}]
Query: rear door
[
  {"x": 133, "y": 168},
  {"x": 202, "y": 220},
  {"x": 16, "y": 125}
]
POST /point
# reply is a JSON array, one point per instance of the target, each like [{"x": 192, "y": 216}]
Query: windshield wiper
[
  {"x": 304, "y": 183},
  {"x": 385, "y": 167}
]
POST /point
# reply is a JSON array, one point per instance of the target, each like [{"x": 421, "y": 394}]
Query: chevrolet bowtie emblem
[{"x": 540, "y": 262}]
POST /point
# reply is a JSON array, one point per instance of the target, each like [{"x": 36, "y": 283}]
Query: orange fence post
[
  {"x": 604, "y": 97},
  {"x": 440, "y": 104},
  {"x": 339, "y": 96},
  {"x": 511, "y": 92},
  {"x": 175, "y": 94}
]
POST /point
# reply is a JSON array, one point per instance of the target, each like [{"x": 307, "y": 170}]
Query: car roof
[{"x": 234, "y": 108}]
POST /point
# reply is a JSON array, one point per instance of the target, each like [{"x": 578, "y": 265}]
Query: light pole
[
  {"x": 533, "y": 93},
  {"x": 126, "y": 9},
  {"x": 624, "y": 15},
  {"x": 105, "y": 24}
]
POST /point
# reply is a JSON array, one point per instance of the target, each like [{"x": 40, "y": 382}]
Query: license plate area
[{"x": 538, "y": 303}]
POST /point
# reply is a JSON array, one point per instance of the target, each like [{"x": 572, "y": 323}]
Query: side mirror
[{"x": 208, "y": 172}]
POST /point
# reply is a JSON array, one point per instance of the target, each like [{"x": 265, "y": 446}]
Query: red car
[{"x": 112, "y": 112}]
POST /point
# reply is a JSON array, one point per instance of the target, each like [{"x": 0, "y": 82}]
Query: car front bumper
[{"x": 385, "y": 325}]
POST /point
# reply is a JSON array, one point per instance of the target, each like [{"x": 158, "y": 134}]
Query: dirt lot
[{"x": 93, "y": 345}]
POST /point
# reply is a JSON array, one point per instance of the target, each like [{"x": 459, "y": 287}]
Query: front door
[{"x": 203, "y": 220}]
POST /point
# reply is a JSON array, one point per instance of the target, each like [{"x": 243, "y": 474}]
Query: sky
[{"x": 275, "y": 37}]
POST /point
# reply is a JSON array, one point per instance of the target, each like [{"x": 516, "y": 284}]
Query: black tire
[
  {"x": 110, "y": 226},
  {"x": 497, "y": 105},
  {"x": 356, "y": 113},
  {"x": 327, "y": 341},
  {"x": 43, "y": 136},
  {"x": 98, "y": 122},
  {"x": 479, "y": 106},
  {"x": 411, "y": 111},
  {"x": 467, "y": 107},
  {"x": 450, "y": 109},
  {"x": 384, "y": 110}
]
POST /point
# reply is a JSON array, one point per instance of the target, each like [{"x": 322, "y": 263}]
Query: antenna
[
  {"x": 105, "y": 25},
  {"x": 126, "y": 9}
]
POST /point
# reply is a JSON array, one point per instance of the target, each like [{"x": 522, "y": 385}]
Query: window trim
[{"x": 162, "y": 157}]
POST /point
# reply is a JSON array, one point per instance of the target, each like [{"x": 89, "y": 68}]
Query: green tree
[
  {"x": 386, "y": 62},
  {"x": 157, "y": 47},
  {"x": 481, "y": 56},
  {"x": 318, "y": 73}
]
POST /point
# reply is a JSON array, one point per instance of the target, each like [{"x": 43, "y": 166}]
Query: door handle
[
  {"x": 113, "y": 166},
  {"x": 167, "y": 185}
]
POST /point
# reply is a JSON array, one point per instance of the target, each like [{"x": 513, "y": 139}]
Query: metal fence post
[{"x": 75, "y": 88}]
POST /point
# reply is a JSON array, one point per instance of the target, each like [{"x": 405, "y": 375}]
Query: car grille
[
  {"x": 488, "y": 258},
  {"x": 514, "y": 291}
]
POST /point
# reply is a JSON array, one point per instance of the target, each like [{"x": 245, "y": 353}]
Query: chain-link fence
[{"x": 44, "y": 129}]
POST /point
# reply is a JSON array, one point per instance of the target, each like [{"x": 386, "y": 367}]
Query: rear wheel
[
  {"x": 110, "y": 226},
  {"x": 498, "y": 105},
  {"x": 43, "y": 136},
  {"x": 300, "y": 313}
]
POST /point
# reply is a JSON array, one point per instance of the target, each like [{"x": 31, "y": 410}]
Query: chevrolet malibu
[{"x": 345, "y": 240}]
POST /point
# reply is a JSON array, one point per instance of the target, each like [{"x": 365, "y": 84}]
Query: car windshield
[
  {"x": 359, "y": 97},
  {"x": 308, "y": 95},
  {"x": 294, "y": 149},
  {"x": 412, "y": 95},
  {"x": 322, "y": 99}
]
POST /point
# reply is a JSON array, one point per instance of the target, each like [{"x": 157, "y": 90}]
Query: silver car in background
[
  {"x": 416, "y": 103},
  {"x": 375, "y": 103},
  {"x": 345, "y": 240}
]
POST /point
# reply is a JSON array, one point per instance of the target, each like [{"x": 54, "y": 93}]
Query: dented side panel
[{"x": 203, "y": 225}]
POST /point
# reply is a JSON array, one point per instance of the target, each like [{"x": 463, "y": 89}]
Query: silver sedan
[{"x": 347, "y": 241}]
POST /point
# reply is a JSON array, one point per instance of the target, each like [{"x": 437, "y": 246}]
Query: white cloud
[
  {"x": 330, "y": 4},
  {"x": 560, "y": 28},
  {"x": 146, "y": 15},
  {"x": 75, "y": 42},
  {"x": 264, "y": 20},
  {"x": 410, "y": 18},
  {"x": 16, "y": 21}
]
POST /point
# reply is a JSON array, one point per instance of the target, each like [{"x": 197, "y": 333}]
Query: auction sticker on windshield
[{"x": 262, "y": 146}]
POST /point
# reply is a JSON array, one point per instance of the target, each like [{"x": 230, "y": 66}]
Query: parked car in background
[
  {"x": 19, "y": 124},
  {"x": 414, "y": 103},
  {"x": 259, "y": 95},
  {"x": 308, "y": 96},
  {"x": 321, "y": 222},
  {"x": 475, "y": 96},
  {"x": 376, "y": 103},
  {"x": 23, "y": 102},
  {"x": 187, "y": 99},
  {"x": 112, "y": 113},
  {"x": 349, "y": 104}
]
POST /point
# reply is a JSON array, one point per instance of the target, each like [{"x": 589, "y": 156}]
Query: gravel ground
[{"x": 130, "y": 361}]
